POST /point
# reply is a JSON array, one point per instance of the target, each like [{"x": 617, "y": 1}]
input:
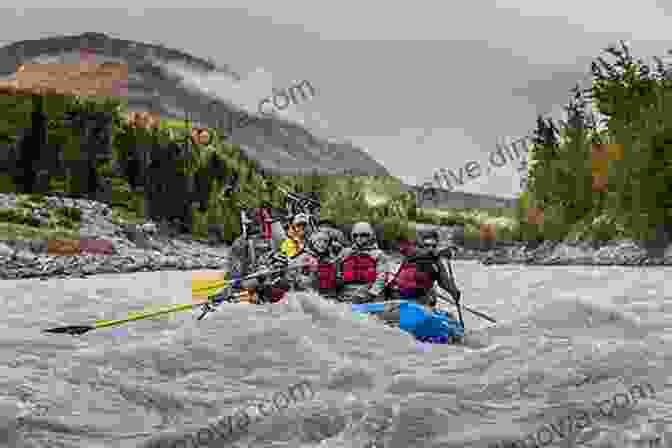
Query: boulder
[
  {"x": 149, "y": 228},
  {"x": 5, "y": 250},
  {"x": 135, "y": 234}
]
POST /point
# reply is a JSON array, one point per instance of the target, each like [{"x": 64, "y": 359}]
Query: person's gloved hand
[
  {"x": 251, "y": 283},
  {"x": 281, "y": 282},
  {"x": 223, "y": 296},
  {"x": 236, "y": 281}
]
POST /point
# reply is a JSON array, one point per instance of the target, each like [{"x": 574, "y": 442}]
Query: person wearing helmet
[
  {"x": 420, "y": 270},
  {"x": 362, "y": 269},
  {"x": 336, "y": 237},
  {"x": 271, "y": 288},
  {"x": 296, "y": 235},
  {"x": 320, "y": 273}
]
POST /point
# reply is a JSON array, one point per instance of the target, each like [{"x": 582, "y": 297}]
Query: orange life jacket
[{"x": 359, "y": 268}]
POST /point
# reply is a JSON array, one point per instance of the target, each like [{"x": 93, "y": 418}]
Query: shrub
[
  {"x": 19, "y": 216},
  {"x": 71, "y": 214}
]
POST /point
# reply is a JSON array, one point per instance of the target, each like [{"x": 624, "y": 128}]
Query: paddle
[
  {"x": 209, "y": 286},
  {"x": 458, "y": 305},
  {"x": 76, "y": 330},
  {"x": 479, "y": 314},
  {"x": 205, "y": 285},
  {"x": 447, "y": 253}
]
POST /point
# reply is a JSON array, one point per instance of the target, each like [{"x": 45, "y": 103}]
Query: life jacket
[
  {"x": 412, "y": 281},
  {"x": 291, "y": 248},
  {"x": 277, "y": 294},
  {"x": 359, "y": 268},
  {"x": 327, "y": 273}
]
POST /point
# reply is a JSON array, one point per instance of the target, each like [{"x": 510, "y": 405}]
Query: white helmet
[
  {"x": 362, "y": 233},
  {"x": 428, "y": 239},
  {"x": 301, "y": 218}
]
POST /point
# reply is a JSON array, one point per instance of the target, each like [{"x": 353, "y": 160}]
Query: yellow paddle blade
[
  {"x": 207, "y": 284},
  {"x": 209, "y": 289}
]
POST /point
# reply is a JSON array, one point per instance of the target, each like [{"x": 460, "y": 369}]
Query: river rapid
[{"x": 566, "y": 338}]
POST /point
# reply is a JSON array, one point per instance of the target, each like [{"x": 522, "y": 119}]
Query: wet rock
[
  {"x": 5, "y": 250},
  {"x": 107, "y": 247},
  {"x": 572, "y": 253},
  {"x": 149, "y": 228}
]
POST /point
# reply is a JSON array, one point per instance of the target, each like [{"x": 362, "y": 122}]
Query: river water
[{"x": 153, "y": 381}]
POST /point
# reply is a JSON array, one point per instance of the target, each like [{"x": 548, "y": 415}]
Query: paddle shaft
[
  {"x": 222, "y": 283},
  {"x": 80, "y": 329},
  {"x": 479, "y": 314},
  {"x": 131, "y": 318},
  {"x": 459, "y": 307},
  {"x": 181, "y": 307}
]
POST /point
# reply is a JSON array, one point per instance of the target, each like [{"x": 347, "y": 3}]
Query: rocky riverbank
[
  {"x": 568, "y": 253},
  {"x": 134, "y": 247}
]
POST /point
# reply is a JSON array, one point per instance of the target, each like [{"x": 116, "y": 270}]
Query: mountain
[
  {"x": 160, "y": 80},
  {"x": 165, "y": 81}
]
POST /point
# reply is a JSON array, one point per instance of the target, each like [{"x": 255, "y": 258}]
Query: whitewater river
[{"x": 154, "y": 381}]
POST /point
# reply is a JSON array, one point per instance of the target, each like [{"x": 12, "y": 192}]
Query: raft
[{"x": 436, "y": 327}]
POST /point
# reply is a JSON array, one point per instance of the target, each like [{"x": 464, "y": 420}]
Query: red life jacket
[
  {"x": 327, "y": 272},
  {"x": 411, "y": 281},
  {"x": 359, "y": 269},
  {"x": 277, "y": 294}
]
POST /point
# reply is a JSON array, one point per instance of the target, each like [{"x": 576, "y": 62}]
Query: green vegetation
[
  {"x": 634, "y": 100},
  {"x": 207, "y": 168},
  {"x": 11, "y": 231},
  {"x": 627, "y": 104},
  {"x": 19, "y": 216},
  {"x": 68, "y": 216},
  {"x": 20, "y": 222}
]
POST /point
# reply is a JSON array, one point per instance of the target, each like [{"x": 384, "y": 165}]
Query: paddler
[
  {"x": 296, "y": 236},
  {"x": 320, "y": 274},
  {"x": 420, "y": 270},
  {"x": 273, "y": 289},
  {"x": 362, "y": 270},
  {"x": 267, "y": 289}
]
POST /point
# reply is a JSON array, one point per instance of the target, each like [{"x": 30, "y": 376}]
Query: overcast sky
[{"x": 419, "y": 85}]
